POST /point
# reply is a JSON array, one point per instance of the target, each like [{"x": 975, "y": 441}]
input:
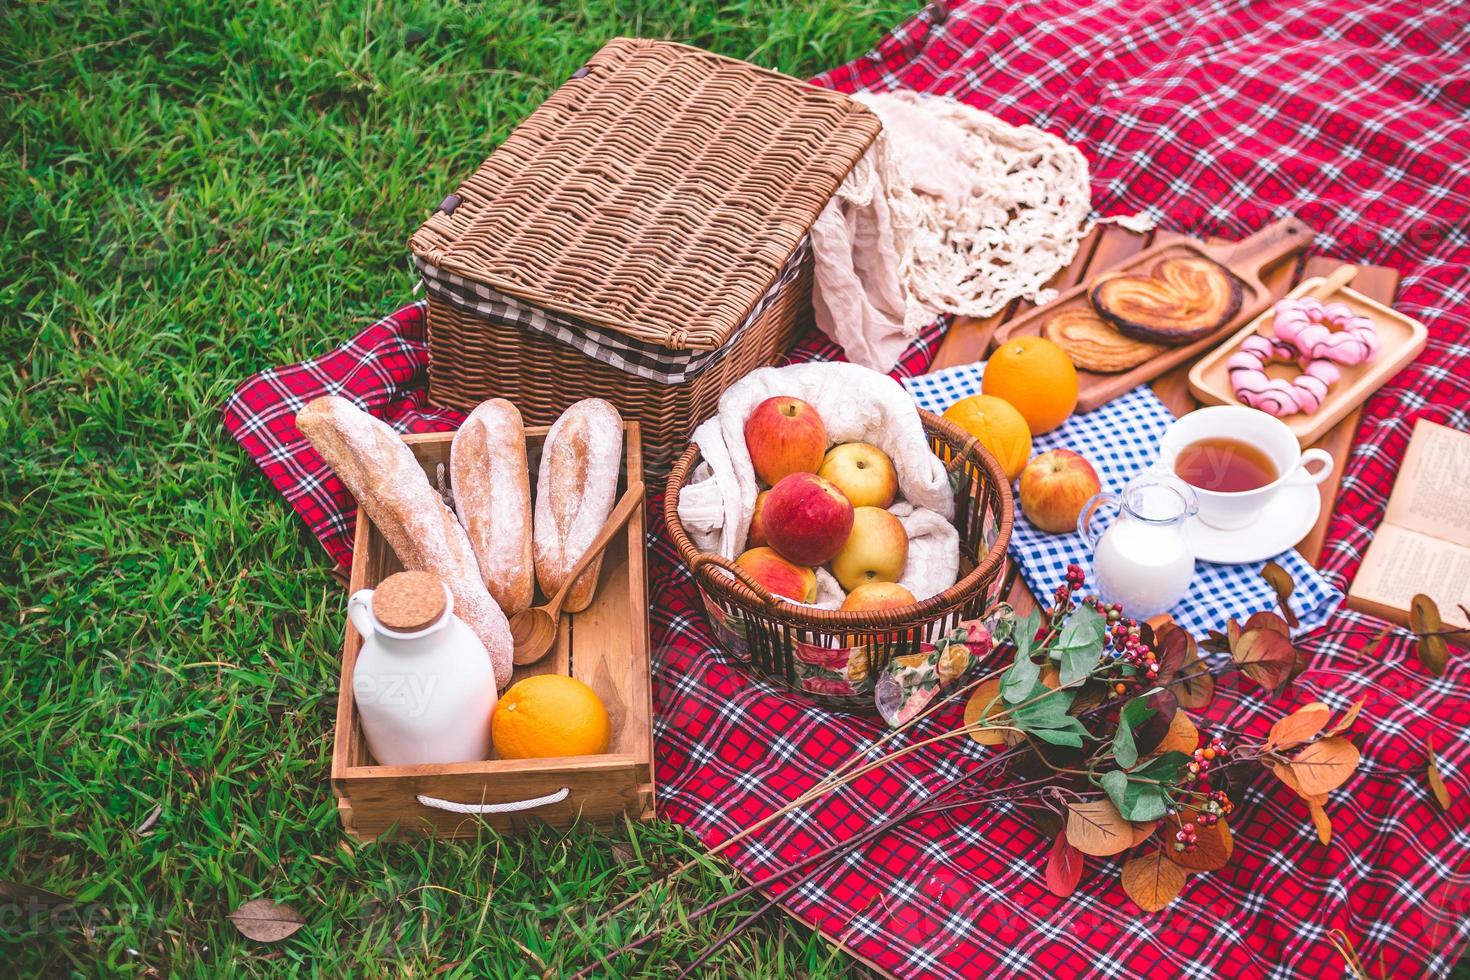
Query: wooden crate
[{"x": 605, "y": 646}]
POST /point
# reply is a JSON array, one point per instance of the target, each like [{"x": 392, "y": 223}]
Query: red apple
[
  {"x": 876, "y": 551},
  {"x": 871, "y": 596},
  {"x": 784, "y": 435},
  {"x": 757, "y": 536},
  {"x": 779, "y": 575},
  {"x": 806, "y": 519},
  {"x": 863, "y": 472},
  {"x": 1054, "y": 488}
]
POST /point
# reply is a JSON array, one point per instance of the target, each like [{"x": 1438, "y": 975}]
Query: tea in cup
[{"x": 1237, "y": 459}]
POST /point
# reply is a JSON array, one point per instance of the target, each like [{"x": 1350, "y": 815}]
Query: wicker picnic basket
[
  {"x": 833, "y": 657},
  {"x": 641, "y": 237}
]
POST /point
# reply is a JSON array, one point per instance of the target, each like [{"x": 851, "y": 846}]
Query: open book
[{"x": 1423, "y": 544}]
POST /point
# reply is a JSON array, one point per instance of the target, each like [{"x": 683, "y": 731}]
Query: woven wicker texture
[
  {"x": 772, "y": 627},
  {"x": 657, "y": 193},
  {"x": 472, "y": 359}
]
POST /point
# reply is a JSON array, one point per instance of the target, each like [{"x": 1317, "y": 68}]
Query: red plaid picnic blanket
[{"x": 1215, "y": 118}]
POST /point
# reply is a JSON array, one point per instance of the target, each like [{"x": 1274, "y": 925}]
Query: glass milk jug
[{"x": 1142, "y": 559}]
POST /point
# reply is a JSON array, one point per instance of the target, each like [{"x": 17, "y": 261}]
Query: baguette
[
  {"x": 382, "y": 473},
  {"x": 492, "y": 496},
  {"x": 575, "y": 487}
]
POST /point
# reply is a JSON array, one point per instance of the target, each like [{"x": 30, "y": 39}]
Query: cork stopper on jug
[{"x": 407, "y": 602}]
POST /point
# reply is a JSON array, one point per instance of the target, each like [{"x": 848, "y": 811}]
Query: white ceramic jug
[{"x": 425, "y": 696}]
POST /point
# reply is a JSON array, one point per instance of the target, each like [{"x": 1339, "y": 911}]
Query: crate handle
[
  {"x": 514, "y": 806},
  {"x": 711, "y": 558}
]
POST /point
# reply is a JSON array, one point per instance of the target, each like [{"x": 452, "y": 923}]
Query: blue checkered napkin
[{"x": 1121, "y": 440}]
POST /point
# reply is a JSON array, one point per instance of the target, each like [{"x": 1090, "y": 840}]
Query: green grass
[{"x": 191, "y": 191}]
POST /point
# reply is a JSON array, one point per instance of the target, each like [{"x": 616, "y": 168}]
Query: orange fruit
[
  {"x": 549, "y": 715},
  {"x": 1037, "y": 377},
  {"x": 999, "y": 427}
]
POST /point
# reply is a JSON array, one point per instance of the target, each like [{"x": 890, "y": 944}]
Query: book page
[
  {"x": 1401, "y": 563},
  {"x": 1431, "y": 494}
]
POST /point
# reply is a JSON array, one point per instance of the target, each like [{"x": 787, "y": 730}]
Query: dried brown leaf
[
  {"x": 13, "y": 892},
  {"x": 266, "y": 921},
  {"x": 1143, "y": 831},
  {"x": 1321, "y": 821},
  {"x": 1300, "y": 726},
  {"x": 1265, "y": 656},
  {"x": 1350, "y": 716},
  {"x": 1183, "y": 736},
  {"x": 1283, "y": 585},
  {"x": 1063, "y": 868},
  {"x": 984, "y": 695},
  {"x": 1095, "y": 827},
  {"x": 1152, "y": 881},
  {"x": 1267, "y": 620},
  {"x": 1194, "y": 687},
  {"x": 1424, "y": 620},
  {"x": 1212, "y": 848},
  {"x": 1323, "y": 766},
  {"x": 1436, "y": 781}
]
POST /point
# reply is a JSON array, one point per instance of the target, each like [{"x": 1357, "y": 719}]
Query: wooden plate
[
  {"x": 1400, "y": 341},
  {"x": 1246, "y": 259}
]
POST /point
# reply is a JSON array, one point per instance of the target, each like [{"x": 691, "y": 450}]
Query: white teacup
[{"x": 1231, "y": 511}]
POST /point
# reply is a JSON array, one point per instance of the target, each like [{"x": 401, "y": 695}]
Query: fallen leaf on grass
[
  {"x": 1097, "y": 828},
  {"x": 1151, "y": 881},
  {"x": 149, "y": 821},
  {"x": 14, "y": 891},
  {"x": 266, "y": 921},
  {"x": 1063, "y": 868},
  {"x": 1436, "y": 781}
]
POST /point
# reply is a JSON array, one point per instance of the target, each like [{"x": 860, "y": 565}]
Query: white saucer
[{"x": 1284, "y": 522}]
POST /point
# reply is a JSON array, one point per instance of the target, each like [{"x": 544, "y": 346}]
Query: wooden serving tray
[
  {"x": 1400, "y": 341},
  {"x": 1247, "y": 259},
  {"x": 968, "y": 340},
  {"x": 605, "y": 646}
]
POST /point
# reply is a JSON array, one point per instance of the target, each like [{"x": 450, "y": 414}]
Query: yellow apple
[
  {"x": 876, "y": 550},
  {"x": 871, "y": 596},
  {"x": 863, "y": 472}
]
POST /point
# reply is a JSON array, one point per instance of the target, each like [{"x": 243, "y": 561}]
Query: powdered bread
[{"x": 380, "y": 470}]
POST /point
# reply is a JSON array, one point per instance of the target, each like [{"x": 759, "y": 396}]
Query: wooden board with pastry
[{"x": 1130, "y": 322}]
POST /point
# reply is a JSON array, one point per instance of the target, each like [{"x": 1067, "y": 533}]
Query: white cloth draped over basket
[
  {"x": 856, "y": 405},
  {"x": 951, "y": 211}
]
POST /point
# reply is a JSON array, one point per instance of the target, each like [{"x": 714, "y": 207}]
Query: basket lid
[{"x": 658, "y": 193}]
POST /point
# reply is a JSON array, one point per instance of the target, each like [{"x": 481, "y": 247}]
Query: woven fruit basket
[
  {"x": 834, "y": 657},
  {"x": 642, "y": 237}
]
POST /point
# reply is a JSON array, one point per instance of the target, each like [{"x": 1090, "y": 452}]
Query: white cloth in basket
[{"x": 857, "y": 405}]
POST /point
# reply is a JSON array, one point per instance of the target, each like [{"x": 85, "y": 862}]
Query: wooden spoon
[{"x": 533, "y": 631}]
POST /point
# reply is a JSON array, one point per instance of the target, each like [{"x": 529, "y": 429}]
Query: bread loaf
[
  {"x": 492, "y": 496},
  {"x": 575, "y": 487},
  {"x": 380, "y": 470}
]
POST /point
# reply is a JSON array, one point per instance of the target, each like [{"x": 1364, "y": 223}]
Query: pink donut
[
  {"x": 1332, "y": 332},
  {"x": 1281, "y": 398}
]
